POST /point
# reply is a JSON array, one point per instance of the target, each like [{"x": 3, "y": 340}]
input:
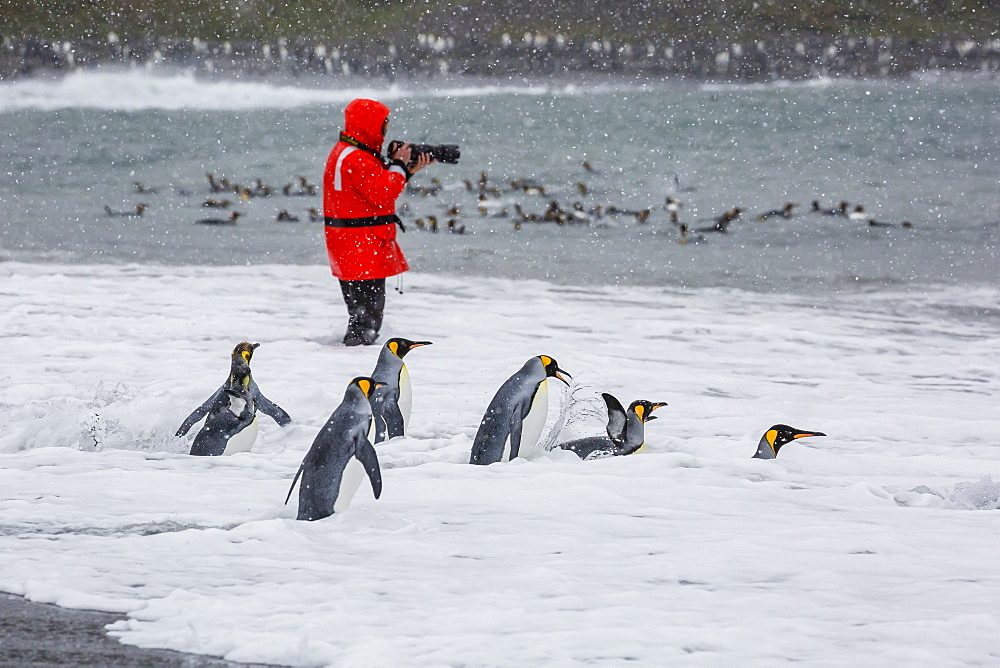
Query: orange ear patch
[{"x": 771, "y": 436}]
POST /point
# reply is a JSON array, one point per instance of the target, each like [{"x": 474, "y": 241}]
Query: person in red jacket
[{"x": 360, "y": 188}]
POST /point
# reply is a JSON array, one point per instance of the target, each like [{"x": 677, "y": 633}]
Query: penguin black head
[
  {"x": 552, "y": 369},
  {"x": 781, "y": 434},
  {"x": 245, "y": 350},
  {"x": 365, "y": 384},
  {"x": 239, "y": 374},
  {"x": 644, "y": 409},
  {"x": 399, "y": 346}
]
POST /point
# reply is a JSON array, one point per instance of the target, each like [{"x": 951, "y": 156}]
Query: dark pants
[{"x": 365, "y": 304}]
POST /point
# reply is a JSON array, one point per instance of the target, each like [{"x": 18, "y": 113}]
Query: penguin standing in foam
[
  {"x": 392, "y": 401},
  {"x": 626, "y": 431},
  {"x": 777, "y": 436},
  {"x": 340, "y": 456},
  {"x": 514, "y": 419},
  {"x": 238, "y": 396}
]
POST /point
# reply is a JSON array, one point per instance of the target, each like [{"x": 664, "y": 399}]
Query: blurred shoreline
[
  {"x": 529, "y": 54},
  {"x": 39, "y": 634}
]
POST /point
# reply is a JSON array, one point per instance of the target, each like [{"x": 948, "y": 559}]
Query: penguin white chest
[
  {"x": 243, "y": 441},
  {"x": 236, "y": 405},
  {"x": 531, "y": 425},
  {"x": 405, "y": 401},
  {"x": 350, "y": 481},
  {"x": 354, "y": 473}
]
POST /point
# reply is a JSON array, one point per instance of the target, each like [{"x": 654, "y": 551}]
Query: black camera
[{"x": 447, "y": 153}]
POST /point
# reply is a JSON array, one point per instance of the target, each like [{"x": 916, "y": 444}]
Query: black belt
[{"x": 371, "y": 221}]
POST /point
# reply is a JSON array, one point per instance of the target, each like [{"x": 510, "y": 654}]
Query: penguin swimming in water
[
  {"x": 626, "y": 433},
  {"x": 777, "y": 436},
  {"x": 783, "y": 212},
  {"x": 139, "y": 209},
  {"x": 231, "y": 220},
  {"x": 340, "y": 457},
  {"x": 514, "y": 419},
  {"x": 219, "y": 435},
  {"x": 392, "y": 401}
]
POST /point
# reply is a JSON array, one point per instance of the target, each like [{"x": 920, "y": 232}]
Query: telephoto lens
[{"x": 447, "y": 153}]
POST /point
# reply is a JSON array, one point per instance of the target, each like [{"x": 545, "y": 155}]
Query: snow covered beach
[{"x": 867, "y": 543}]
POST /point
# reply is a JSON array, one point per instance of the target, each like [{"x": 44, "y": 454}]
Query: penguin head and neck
[
  {"x": 639, "y": 413},
  {"x": 245, "y": 350},
  {"x": 239, "y": 371},
  {"x": 359, "y": 391},
  {"x": 778, "y": 436},
  {"x": 552, "y": 369},
  {"x": 399, "y": 346},
  {"x": 644, "y": 409}
]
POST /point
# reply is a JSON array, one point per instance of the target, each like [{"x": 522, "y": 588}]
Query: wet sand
[{"x": 38, "y": 634}]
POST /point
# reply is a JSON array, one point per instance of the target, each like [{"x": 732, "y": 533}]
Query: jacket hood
[{"x": 363, "y": 121}]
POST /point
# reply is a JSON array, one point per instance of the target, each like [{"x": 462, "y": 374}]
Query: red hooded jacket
[{"x": 359, "y": 198}]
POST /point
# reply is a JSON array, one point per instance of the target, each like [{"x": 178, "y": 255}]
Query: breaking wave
[{"x": 140, "y": 90}]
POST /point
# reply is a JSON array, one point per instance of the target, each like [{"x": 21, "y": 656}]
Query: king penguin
[
  {"x": 392, "y": 401},
  {"x": 340, "y": 457},
  {"x": 514, "y": 419},
  {"x": 777, "y": 436},
  {"x": 228, "y": 419},
  {"x": 218, "y": 436},
  {"x": 626, "y": 431}
]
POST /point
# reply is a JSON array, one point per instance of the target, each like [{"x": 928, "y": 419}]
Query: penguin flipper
[
  {"x": 365, "y": 452},
  {"x": 269, "y": 408},
  {"x": 515, "y": 437},
  {"x": 294, "y": 480},
  {"x": 379, "y": 427},
  {"x": 584, "y": 448},
  {"x": 392, "y": 417},
  {"x": 616, "y": 418},
  {"x": 200, "y": 412}
]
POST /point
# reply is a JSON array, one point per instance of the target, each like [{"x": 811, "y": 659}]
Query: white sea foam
[
  {"x": 844, "y": 548},
  {"x": 813, "y": 82},
  {"x": 140, "y": 89},
  {"x": 981, "y": 495}
]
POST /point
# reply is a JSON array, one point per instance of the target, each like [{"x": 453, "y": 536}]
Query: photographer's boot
[{"x": 365, "y": 305}]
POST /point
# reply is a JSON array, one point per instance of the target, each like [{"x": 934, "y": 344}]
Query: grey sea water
[{"x": 924, "y": 150}]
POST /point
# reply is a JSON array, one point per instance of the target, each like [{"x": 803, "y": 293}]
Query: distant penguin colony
[
  {"x": 509, "y": 201},
  {"x": 240, "y": 193}
]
